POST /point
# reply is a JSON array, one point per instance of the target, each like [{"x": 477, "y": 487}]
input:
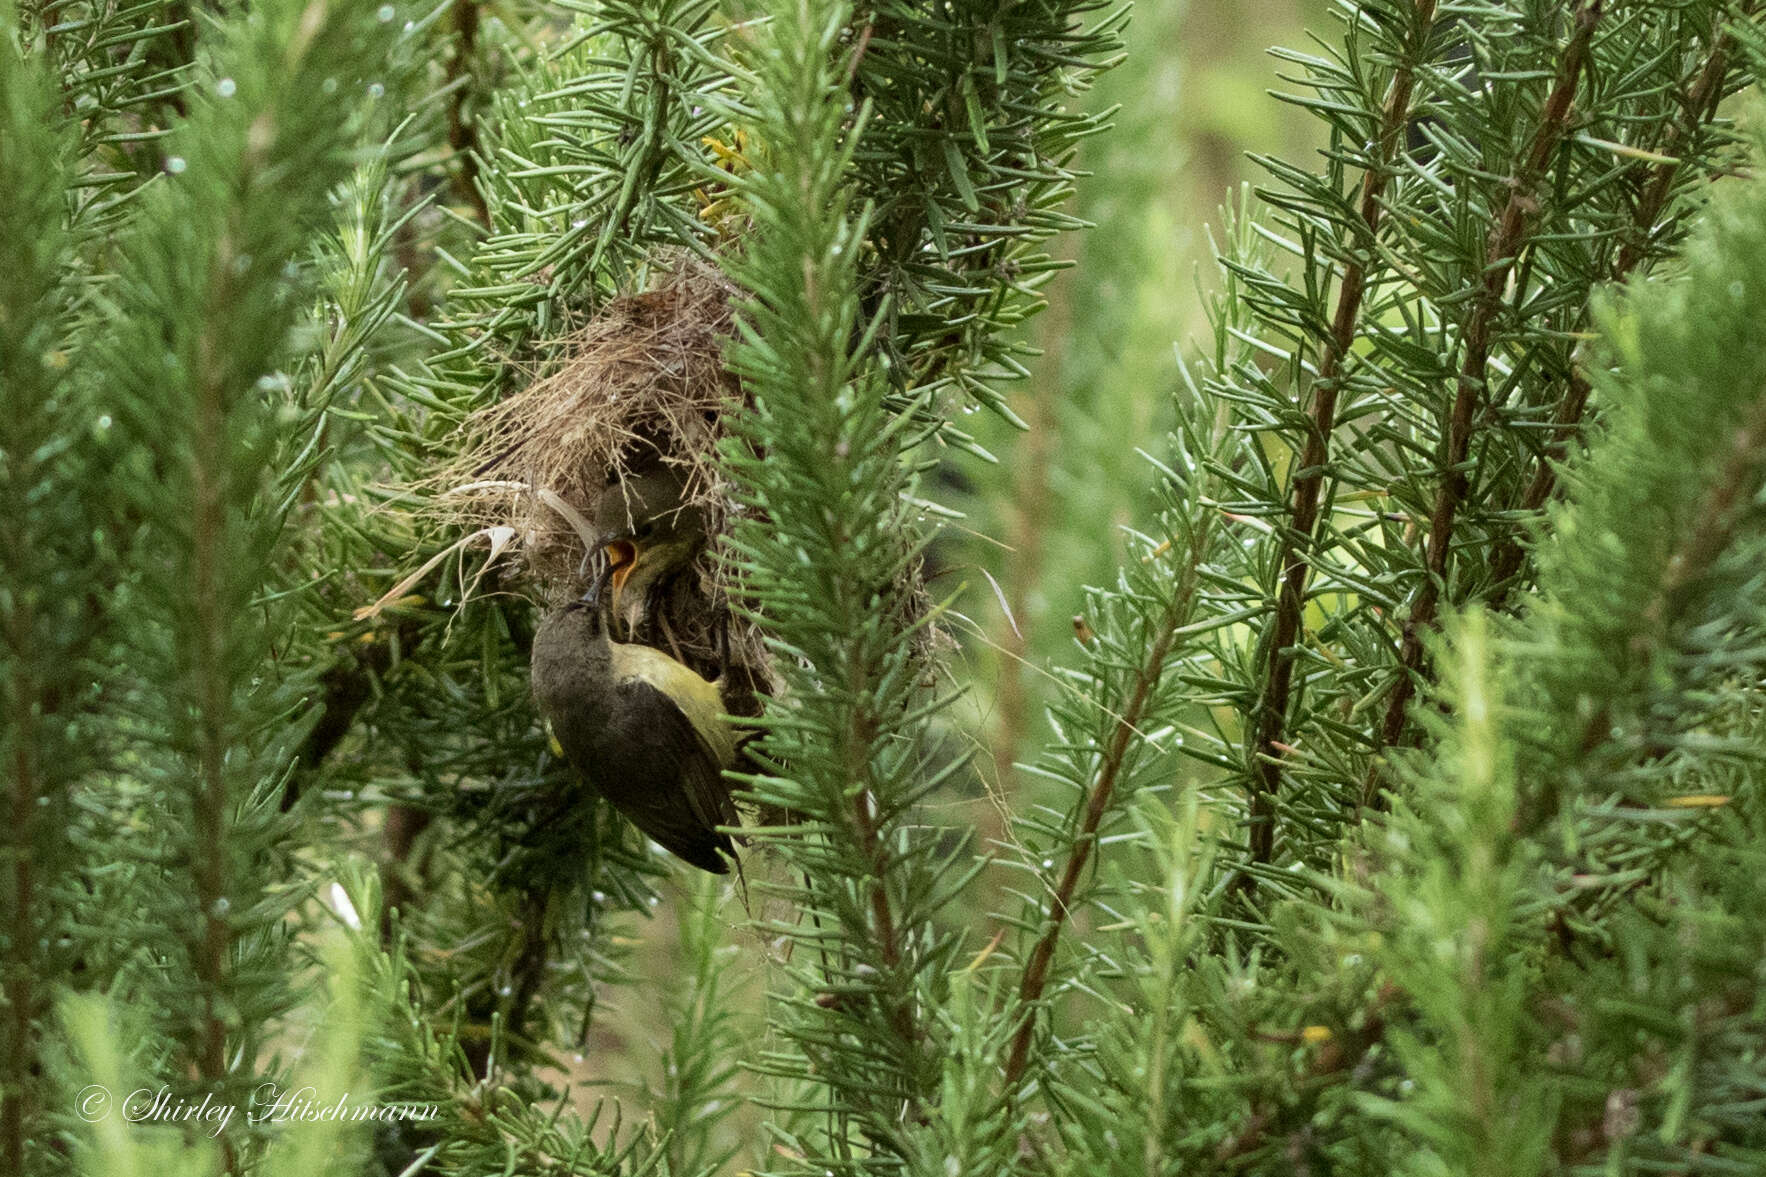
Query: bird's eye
[{"x": 645, "y": 529}]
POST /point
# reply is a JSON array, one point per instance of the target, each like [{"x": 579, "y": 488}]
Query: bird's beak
[
  {"x": 599, "y": 571},
  {"x": 622, "y": 559}
]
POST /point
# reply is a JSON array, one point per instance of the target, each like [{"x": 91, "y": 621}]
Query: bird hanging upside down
[{"x": 644, "y": 730}]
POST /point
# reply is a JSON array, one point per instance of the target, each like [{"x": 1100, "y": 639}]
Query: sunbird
[{"x": 644, "y": 730}]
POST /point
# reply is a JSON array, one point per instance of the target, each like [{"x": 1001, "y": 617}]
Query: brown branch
[
  {"x": 1122, "y": 736},
  {"x": 864, "y": 820},
  {"x": 1700, "y": 106},
  {"x": 346, "y": 688},
  {"x": 1506, "y": 239},
  {"x": 1029, "y": 524},
  {"x": 462, "y": 129},
  {"x": 22, "y": 965},
  {"x": 1566, "y": 424},
  {"x": 29, "y": 703},
  {"x": 863, "y": 736},
  {"x": 399, "y": 832},
  {"x": 1338, "y": 1060},
  {"x": 211, "y": 630},
  {"x": 1291, "y": 556},
  {"x": 213, "y": 695}
]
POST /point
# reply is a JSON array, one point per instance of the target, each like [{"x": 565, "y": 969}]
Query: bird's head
[{"x": 648, "y": 532}]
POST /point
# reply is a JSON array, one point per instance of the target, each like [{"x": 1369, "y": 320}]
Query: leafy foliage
[{"x": 1400, "y": 807}]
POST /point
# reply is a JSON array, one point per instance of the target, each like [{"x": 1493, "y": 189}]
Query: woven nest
[{"x": 640, "y": 384}]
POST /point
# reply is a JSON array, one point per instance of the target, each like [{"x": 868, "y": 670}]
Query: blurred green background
[
  {"x": 1050, "y": 516},
  {"x": 1193, "y": 104}
]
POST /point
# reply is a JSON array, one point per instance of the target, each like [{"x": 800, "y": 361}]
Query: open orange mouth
[{"x": 622, "y": 557}]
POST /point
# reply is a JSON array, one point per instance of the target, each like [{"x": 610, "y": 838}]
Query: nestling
[{"x": 649, "y": 532}]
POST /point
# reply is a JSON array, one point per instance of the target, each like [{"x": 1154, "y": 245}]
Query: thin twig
[
  {"x": 863, "y": 734},
  {"x": 1115, "y": 757},
  {"x": 211, "y": 803},
  {"x": 209, "y": 516},
  {"x": 1712, "y": 528},
  {"x": 21, "y": 965},
  {"x": 1701, "y": 106},
  {"x": 462, "y": 129},
  {"x": 1507, "y": 237},
  {"x": 1029, "y": 524},
  {"x": 1566, "y": 424},
  {"x": 1292, "y": 555}
]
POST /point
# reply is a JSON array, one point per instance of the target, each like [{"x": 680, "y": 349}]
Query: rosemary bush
[{"x": 1398, "y": 807}]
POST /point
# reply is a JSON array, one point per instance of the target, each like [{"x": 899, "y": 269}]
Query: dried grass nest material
[{"x": 641, "y": 381}]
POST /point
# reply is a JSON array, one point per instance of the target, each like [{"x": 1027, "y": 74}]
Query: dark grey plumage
[{"x": 643, "y": 730}]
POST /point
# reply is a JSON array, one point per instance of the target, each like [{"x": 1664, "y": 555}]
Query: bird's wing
[{"x": 679, "y": 749}]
